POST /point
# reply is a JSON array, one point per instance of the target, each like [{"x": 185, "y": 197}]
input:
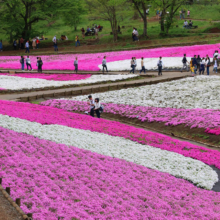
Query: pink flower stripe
[
  {"x": 54, "y": 180},
  {"x": 201, "y": 118},
  {"x": 91, "y": 61},
  {"x": 2, "y": 89},
  {"x": 54, "y": 77},
  {"x": 215, "y": 131},
  {"x": 50, "y": 115}
]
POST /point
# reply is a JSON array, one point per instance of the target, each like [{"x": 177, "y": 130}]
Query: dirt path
[
  {"x": 87, "y": 89},
  {"x": 7, "y": 211}
]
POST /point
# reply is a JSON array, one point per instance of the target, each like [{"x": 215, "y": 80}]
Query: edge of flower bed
[
  {"x": 88, "y": 90},
  {"x": 13, "y": 203}
]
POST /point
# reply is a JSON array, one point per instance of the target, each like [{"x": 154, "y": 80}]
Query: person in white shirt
[
  {"x": 27, "y": 47},
  {"x": 28, "y": 63},
  {"x": 215, "y": 61},
  {"x": 97, "y": 107},
  {"x": 142, "y": 66},
  {"x": 91, "y": 103},
  {"x": 202, "y": 66},
  {"x": 185, "y": 24},
  {"x": 216, "y": 54},
  {"x": 147, "y": 11},
  {"x": 160, "y": 66},
  {"x": 55, "y": 39}
]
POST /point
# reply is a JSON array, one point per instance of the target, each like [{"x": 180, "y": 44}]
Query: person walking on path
[
  {"x": 215, "y": 69},
  {"x": 77, "y": 40},
  {"x": 192, "y": 67},
  {"x": 188, "y": 13},
  {"x": 1, "y": 46},
  {"x": 27, "y": 47},
  {"x": 132, "y": 65},
  {"x": 185, "y": 66},
  {"x": 202, "y": 67},
  {"x": 22, "y": 63},
  {"x": 28, "y": 63},
  {"x": 160, "y": 66},
  {"x": 15, "y": 44},
  {"x": 135, "y": 64},
  {"x": 39, "y": 64},
  {"x": 22, "y": 43},
  {"x": 37, "y": 43},
  {"x": 208, "y": 64},
  {"x": 92, "y": 105},
  {"x": 104, "y": 64},
  {"x": 55, "y": 46},
  {"x": 194, "y": 63},
  {"x": 142, "y": 66},
  {"x": 76, "y": 64},
  {"x": 199, "y": 60},
  {"x": 34, "y": 43}
]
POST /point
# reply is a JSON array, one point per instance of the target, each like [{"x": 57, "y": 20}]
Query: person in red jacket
[{"x": 37, "y": 43}]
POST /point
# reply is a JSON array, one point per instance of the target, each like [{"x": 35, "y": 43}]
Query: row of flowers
[
  {"x": 188, "y": 93},
  {"x": 207, "y": 119},
  {"x": 118, "y": 147},
  {"x": 54, "y": 77},
  {"x": 47, "y": 115},
  {"x": 92, "y": 61},
  {"x": 54, "y": 181},
  {"x": 21, "y": 83}
]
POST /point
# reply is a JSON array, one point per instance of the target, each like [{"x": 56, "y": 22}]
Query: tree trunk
[
  {"x": 162, "y": 26},
  {"x": 145, "y": 25},
  {"x": 75, "y": 28}
]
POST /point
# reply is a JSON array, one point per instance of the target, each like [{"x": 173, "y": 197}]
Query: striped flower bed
[
  {"x": 193, "y": 102},
  {"x": 68, "y": 165}
]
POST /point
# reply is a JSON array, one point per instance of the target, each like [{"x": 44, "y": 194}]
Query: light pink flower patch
[
  {"x": 90, "y": 62},
  {"x": 54, "y": 77}
]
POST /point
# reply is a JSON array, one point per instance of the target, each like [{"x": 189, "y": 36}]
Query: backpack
[{"x": 184, "y": 60}]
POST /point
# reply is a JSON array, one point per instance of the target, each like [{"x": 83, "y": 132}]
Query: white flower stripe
[
  {"x": 149, "y": 63},
  {"x": 19, "y": 83},
  {"x": 197, "y": 92},
  {"x": 184, "y": 167}
]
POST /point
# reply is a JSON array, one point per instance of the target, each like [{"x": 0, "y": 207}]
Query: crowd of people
[
  {"x": 27, "y": 60},
  {"x": 198, "y": 64}
]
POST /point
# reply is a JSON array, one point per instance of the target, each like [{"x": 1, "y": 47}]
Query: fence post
[
  {"x": 18, "y": 201},
  {"x": 8, "y": 190},
  {"x": 0, "y": 180}
]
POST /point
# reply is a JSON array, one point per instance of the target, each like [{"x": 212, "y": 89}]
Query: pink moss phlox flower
[
  {"x": 90, "y": 62},
  {"x": 54, "y": 77}
]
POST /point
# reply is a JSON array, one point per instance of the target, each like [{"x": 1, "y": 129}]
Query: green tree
[
  {"x": 110, "y": 10},
  {"x": 72, "y": 13},
  {"x": 168, "y": 9},
  {"x": 18, "y": 16},
  {"x": 142, "y": 6}
]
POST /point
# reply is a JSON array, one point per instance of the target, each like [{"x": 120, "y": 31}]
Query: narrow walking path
[{"x": 28, "y": 96}]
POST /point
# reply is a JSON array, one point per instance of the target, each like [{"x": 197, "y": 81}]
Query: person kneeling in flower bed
[{"x": 95, "y": 106}]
